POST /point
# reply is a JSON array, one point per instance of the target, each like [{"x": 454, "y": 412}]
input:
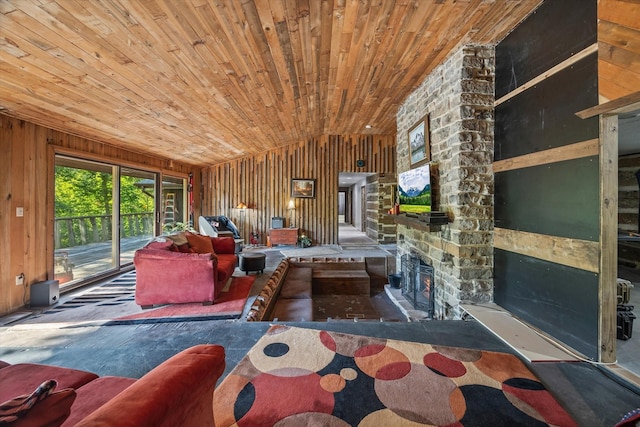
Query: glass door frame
[{"x": 116, "y": 168}]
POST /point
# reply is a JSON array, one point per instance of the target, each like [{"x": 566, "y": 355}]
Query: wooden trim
[
  {"x": 568, "y": 152},
  {"x": 551, "y": 71},
  {"x": 624, "y": 104},
  {"x": 608, "y": 237},
  {"x": 582, "y": 254},
  {"x": 83, "y": 155},
  {"x": 49, "y": 214}
]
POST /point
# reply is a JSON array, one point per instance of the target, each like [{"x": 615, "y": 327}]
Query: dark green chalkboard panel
[
  {"x": 543, "y": 116},
  {"x": 554, "y": 32},
  {"x": 558, "y": 199},
  {"x": 562, "y": 301}
]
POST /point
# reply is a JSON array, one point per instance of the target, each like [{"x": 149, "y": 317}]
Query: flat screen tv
[{"x": 414, "y": 190}]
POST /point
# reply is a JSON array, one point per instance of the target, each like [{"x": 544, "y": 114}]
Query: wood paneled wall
[
  {"x": 26, "y": 180},
  {"x": 263, "y": 183},
  {"x": 618, "y": 48}
]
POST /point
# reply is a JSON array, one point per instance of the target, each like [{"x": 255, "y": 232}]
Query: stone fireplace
[{"x": 458, "y": 97}]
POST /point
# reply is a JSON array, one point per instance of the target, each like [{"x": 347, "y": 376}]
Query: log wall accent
[
  {"x": 26, "y": 168},
  {"x": 263, "y": 183}
]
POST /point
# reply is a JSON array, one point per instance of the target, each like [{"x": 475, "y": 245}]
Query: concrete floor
[
  {"x": 588, "y": 392},
  {"x": 628, "y": 352}
]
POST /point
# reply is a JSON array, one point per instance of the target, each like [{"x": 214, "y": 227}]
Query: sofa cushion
[
  {"x": 223, "y": 245},
  {"x": 201, "y": 244},
  {"x": 23, "y": 378},
  {"x": 93, "y": 395},
  {"x": 226, "y": 267},
  {"x": 51, "y": 411},
  {"x": 293, "y": 310},
  {"x": 160, "y": 244}
]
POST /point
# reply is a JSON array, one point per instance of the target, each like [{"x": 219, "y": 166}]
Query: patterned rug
[
  {"x": 295, "y": 376},
  {"x": 114, "y": 303}
]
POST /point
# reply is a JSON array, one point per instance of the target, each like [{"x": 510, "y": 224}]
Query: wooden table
[{"x": 283, "y": 236}]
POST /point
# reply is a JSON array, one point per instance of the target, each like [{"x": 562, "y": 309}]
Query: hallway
[{"x": 349, "y": 235}]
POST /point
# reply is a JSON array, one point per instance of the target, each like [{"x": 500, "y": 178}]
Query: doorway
[
  {"x": 352, "y": 209},
  {"x": 629, "y": 235}
]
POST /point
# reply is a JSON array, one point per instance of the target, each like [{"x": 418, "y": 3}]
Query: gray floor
[
  {"x": 628, "y": 352},
  {"x": 588, "y": 392}
]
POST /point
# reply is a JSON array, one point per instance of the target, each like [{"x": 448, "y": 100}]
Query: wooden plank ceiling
[{"x": 207, "y": 81}]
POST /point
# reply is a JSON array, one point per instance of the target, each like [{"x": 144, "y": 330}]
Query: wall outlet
[{"x": 20, "y": 279}]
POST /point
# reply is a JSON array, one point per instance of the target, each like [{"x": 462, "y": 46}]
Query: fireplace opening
[{"x": 417, "y": 283}]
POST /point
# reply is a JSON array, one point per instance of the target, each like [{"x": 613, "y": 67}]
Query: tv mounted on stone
[{"x": 414, "y": 190}]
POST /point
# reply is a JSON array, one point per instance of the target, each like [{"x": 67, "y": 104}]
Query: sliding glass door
[
  {"x": 174, "y": 205},
  {"x": 84, "y": 219},
  {"x": 137, "y": 207},
  {"x": 103, "y": 213}
]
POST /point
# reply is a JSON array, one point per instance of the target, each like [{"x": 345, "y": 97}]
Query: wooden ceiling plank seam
[
  {"x": 623, "y": 13},
  {"x": 186, "y": 19},
  {"x": 366, "y": 55},
  {"x": 249, "y": 101},
  {"x": 352, "y": 88},
  {"x": 151, "y": 38},
  {"x": 624, "y": 77},
  {"x": 279, "y": 64},
  {"x": 122, "y": 41},
  {"x": 37, "y": 61},
  {"x": 334, "y": 62},
  {"x": 255, "y": 28},
  {"x": 619, "y": 36},
  {"x": 87, "y": 58},
  {"x": 292, "y": 35}
]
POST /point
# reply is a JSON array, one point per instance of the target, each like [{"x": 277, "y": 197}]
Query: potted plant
[{"x": 304, "y": 241}]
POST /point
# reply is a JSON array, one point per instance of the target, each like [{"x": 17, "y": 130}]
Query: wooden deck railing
[{"x": 82, "y": 230}]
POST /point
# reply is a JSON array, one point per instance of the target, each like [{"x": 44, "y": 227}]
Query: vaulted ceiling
[{"x": 206, "y": 81}]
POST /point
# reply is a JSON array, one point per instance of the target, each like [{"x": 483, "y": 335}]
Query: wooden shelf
[{"x": 415, "y": 223}]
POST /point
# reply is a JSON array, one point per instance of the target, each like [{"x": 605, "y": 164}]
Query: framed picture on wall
[
  {"x": 419, "y": 143},
  {"x": 303, "y": 188}
]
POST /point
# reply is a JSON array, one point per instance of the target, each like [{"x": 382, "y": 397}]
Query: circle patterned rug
[{"x": 295, "y": 376}]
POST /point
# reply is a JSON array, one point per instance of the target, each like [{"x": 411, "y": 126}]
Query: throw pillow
[
  {"x": 178, "y": 238},
  {"x": 223, "y": 245},
  {"x": 201, "y": 244}
]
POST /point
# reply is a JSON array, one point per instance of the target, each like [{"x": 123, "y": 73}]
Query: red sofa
[
  {"x": 178, "y": 392},
  {"x": 168, "y": 273}
]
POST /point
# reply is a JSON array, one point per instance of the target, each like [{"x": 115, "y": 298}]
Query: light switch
[{"x": 19, "y": 211}]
